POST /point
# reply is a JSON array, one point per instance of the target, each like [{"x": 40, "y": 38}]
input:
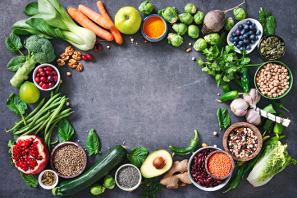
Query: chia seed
[{"x": 128, "y": 177}]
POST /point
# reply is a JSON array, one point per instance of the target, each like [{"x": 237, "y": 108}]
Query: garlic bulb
[
  {"x": 253, "y": 117},
  {"x": 239, "y": 107},
  {"x": 252, "y": 98}
]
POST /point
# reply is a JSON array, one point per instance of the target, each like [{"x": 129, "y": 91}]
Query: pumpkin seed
[{"x": 272, "y": 48}]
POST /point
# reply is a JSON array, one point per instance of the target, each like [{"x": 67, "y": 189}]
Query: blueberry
[
  {"x": 251, "y": 32},
  {"x": 240, "y": 37},
  {"x": 241, "y": 48},
  {"x": 240, "y": 26},
  {"x": 253, "y": 24},
  {"x": 248, "y": 47},
  {"x": 252, "y": 37},
  {"x": 236, "y": 38},
  {"x": 246, "y": 27},
  {"x": 256, "y": 38},
  {"x": 237, "y": 32},
  {"x": 248, "y": 22},
  {"x": 240, "y": 43},
  {"x": 238, "y": 46},
  {"x": 234, "y": 43},
  {"x": 258, "y": 32},
  {"x": 234, "y": 33},
  {"x": 245, "y": 36},
  {"x": 246, "y": 41},
  {"x": 252, "y": 27},
  {"x": 231, "y": 39},
  {"x": 242, "y": 32},
  {"x": 252, "y": 41}
]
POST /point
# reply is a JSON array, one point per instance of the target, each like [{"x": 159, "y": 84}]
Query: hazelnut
[
  {"x": 204, "y": 145},
  {"x": 215, "y": 133},
  {"x": 68, "y": 74}
]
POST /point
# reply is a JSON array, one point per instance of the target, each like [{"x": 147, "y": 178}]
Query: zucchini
[{"x": 111, "y": 160}]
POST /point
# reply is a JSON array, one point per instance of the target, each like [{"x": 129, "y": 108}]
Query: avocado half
[{"x": 157, "y": 163}]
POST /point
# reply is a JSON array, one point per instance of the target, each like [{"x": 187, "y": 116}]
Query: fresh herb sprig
[{"x": 150, "y": 187}]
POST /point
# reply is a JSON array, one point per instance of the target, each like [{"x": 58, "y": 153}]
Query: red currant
[
  {"x": 89, "y": 57},
  {"x": 48, "y": 72},
  {"x": 49, "y": 68},
  {"x": 55, "y": 78},
  {"x": 38, "y": 75},
  {"x": 84, "y": 57},
  {"x": 54, "y": 72},
  {"x": 44, "y": 86},
  {"x": 37, "y": 79},
  {"x": 40, "y": 69},
  {"x": 43, "y": 78},
  {"x": 40, "y": 84}
]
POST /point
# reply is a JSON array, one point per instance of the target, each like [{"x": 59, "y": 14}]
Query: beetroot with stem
[{"x": 214, "y": 20}]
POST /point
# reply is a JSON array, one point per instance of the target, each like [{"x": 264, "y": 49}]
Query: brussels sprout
[
  {"x": 193, "y": 31},
  {"x": 186, "y": 18},
  {"x": 109, "y": 182},
  {"x": 180, "y": 28},
  {"x": 212, "y": 38},
  {"x": 200, "y": 44},
  {"x": 97, "y": 189},
  {"x": 146, "y": 7},
  {"x": 229, "y": 24},
  {"x": 190, "y": 8},
  {"x": 198, "y": 17},
  {"x": 239, "y": 14},
  {"x": 169, "y": 14},
  {"x": 175, "y": 39}
]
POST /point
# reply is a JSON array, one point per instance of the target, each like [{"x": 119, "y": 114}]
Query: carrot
[
  {"x": 97, "y": 18},
  {"x": 115, "y": 32},
  {"x": 88, "y": 24}
]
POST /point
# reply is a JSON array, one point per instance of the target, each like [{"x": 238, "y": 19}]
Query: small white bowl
[
  {"x": 123, "y": 188},
  {"x": 45, "y": 186},
  {"x": 44, "y": 65},
  {"x": 253, "y": 46},
  {"x": 195, "y": 183}
]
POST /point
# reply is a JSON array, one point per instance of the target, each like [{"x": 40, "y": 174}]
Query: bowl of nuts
[{"x": 273, "y": 79}]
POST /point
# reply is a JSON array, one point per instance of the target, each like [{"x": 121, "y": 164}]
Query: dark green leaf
[
  {"x": 223, "y": 117},
  {"x": 137, "y": 155},
  {"x": 31, "y": 180},
  {"x": 223, "y": 40},
  {"x": 64, "y": 130},
  {"x": 93, "y": 143},
  {"x": 200, "y": 62},
  {"x": 13, "y": 43},
  {"x": 16, "y": 105},
  {"x": 270, "y": 25},
  {"x": 16, "y": 62},
  {"x": 31, "y": 9}
]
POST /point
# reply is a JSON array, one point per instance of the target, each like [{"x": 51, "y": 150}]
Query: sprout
[
  {"x": 97, "y": 189},
  {"x": 146, "y": 7},
  {"x": 190, "y": 8},
  {"x": 169, "y": 14},
  {"x": 180, "y": 28},
  {"x": 229, "y": 24},
  {"x": 200, "y": 45},
  {"x": 198, "y": 17},
  {"x": 193, "y": 31},
  {"x": 186, "y": 18},
  {"x": 175, "y": 39},
  {"x": 239, "y": 14},
  {"x": 109, "y": 182},
  {"x": 212, "y": 38}
]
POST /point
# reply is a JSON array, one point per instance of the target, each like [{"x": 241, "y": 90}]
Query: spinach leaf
[
  {"x": 137, "y": 155},
  {"x": 93, "y": 143},
  {"x": 31, "y": 180},
  {"x": 16, "y": 62},
  {"x": 13, "y": 43},
  {"x": 223, "y": 117},
  {"x": 64, "y": 130},
  {"x": 31, "y": 9},
  {"x": 16, "y": 105},
  {"x": 267, "y": 21},
  {"x": 270, "y": 25}
]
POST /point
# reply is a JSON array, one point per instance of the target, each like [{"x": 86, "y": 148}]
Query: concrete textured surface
[{"x": 149, "y": 94}]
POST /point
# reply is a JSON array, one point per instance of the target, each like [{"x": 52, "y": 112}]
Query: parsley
[{"x": 150, "y": 187}]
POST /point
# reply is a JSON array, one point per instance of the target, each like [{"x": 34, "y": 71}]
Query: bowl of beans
[
  {"x": 273, "y": 79},
  {"x": 198, "y": 174},
  {"x": 243, "y": 141},
  {"x": 271, "y": 47}
]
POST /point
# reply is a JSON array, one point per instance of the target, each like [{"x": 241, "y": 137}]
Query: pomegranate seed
[
  {"x": 49, "y": 68},
  {"x": 55, "y": 78},
  {"x": 37, "y": 79},
  {"x": 54, "y": 72},
  {"x": 38, "y": 75},
  {"x": 84, "y": 57},
  {"x": 40, "y": 69},
  {"x": 44, "y": 86},
  {"x": 89, "y": 57}
]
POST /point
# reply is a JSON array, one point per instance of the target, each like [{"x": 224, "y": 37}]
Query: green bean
[
  {"x": 33, "y": 129},
  {"x": 47, "y": 137}
]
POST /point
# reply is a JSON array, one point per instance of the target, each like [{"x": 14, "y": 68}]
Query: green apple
[{"x": 128, "y": 20}]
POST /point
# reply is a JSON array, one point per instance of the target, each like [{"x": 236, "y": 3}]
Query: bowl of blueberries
[{"x": 245, "y": 35}]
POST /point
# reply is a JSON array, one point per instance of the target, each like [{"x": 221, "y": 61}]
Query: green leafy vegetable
[
  {"x": 93, "y": 143},
  {"x": 223, "y": 117},
  {"x": 150, "y": 187},
  {"x": 64, "y": 130},
  {"x": 31, "y": 9},
  {"x": 169, "y": 14},
  {"x": 31, "y": 180},
  {"x": 267, "y": 21},
  {"x": 10, "y": 143},
  {"x": 13, "y": 43},
  {"x": 16, "y": 62},
  {"x": 16, "y": 105},
  {"x": 137, "y": 155}
]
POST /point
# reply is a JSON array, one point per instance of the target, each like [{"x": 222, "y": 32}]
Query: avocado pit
[{"x": 159, "y": 162}]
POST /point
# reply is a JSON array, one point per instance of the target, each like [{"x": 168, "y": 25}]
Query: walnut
[
  {"x": 69, "y": 50},
  {"x": 76, "y": 55},
  {"x": 64, "y": 57},
  {"x": 79, "y": 67},
  {"x": 72, "y": 63},
  {"x": 60, "y": 62}
]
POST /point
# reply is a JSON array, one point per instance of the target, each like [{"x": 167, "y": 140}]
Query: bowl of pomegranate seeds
[{"x": 46, "y": 77}]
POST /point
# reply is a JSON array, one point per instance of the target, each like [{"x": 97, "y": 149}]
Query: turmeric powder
[{"x": 154, "y": 27}]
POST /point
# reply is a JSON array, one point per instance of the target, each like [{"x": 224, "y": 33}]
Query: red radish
[{"x": 214, "y": 20}]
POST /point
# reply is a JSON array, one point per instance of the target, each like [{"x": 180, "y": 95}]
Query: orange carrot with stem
[
  {"x": 115, "y": 32},
  {"x": 97, "y": 18},
  {"x": 88, "y": 24}
]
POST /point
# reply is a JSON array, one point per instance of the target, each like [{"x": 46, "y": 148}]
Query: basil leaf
[
  {"x": 30, "y": 180},
  {"x": 16, "y": 62},
  {"x": 64, "y": 130},
  {"x": 93, "y": 143},
  {"x": 223, "y": 117},
  {"x": 137, "y": 155},
  {"x": 31, "y": 9},
  {"x": 16, "y": 105},
  {"x": 13, "y": 43}
]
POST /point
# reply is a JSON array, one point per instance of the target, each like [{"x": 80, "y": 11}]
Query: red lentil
[{"x": 219, "y": 164}]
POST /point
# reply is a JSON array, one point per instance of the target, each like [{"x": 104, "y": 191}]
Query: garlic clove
[
  {"x": 253, "y": 117},
  {"x": 239, "y": 107}
]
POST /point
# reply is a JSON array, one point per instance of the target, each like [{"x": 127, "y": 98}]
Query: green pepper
[
  {"x": 278, "y": 128},
  {"x": 230, "y": 96},
  {"x": 278, "y": 104},
  {"x": 186, "y": 150},
  {"x": 234, "y": 183},
  {"x": 245, "y": 79},
  {"x": 226, "y": 88},
  {"x": 237, "y": 81}
]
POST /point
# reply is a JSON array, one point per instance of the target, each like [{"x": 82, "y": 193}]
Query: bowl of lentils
[
  {"x": 273, "y": 79},
  {"x": 243, "y": 141},
  {"x": 271, "y": 47},
  {"x": 68, "y": 160},
  {"x": 128, "y": 177}
]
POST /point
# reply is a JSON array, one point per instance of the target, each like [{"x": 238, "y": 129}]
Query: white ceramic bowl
[
  {"x": 154, "y": 39},
  {"x": 195, "y": 183},
  {"x": 44, "y": 186},
  {"x": 253, "y": 46},
  {"x": 123, "y": 188},
  {"x": 35, "y": 73}
]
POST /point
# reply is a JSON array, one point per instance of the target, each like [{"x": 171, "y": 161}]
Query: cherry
[
  {"x": 84, "y": 57},
  {"x": 89, "y": 57},
  {"x": 37, "y": 79}
]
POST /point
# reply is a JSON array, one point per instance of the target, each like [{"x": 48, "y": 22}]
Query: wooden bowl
[
  {"x": 256, "y": 133},
  {"x": 232, "y": 165},
  {"x": 62, "y": 144}
]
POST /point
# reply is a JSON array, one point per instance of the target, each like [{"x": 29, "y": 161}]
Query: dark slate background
[{"x": 150, "y": 94}]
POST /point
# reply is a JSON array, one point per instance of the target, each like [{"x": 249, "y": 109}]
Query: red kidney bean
[
  {"x": 199, "y": 161},
  {"x": 201, "y": 181}
]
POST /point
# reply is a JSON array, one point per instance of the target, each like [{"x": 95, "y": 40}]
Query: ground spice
[
  {"x": 154, "y": 27},
  {"x": 128, "y": 177},
  {"x": 219, "y": 164},
  {"x": 48, "y": 178}
]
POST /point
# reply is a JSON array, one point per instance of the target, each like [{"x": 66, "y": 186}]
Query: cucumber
[{"x": 111, "y": 160}]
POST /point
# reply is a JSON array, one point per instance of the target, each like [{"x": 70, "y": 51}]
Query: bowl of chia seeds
[{"x": 128, "y": 177}]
